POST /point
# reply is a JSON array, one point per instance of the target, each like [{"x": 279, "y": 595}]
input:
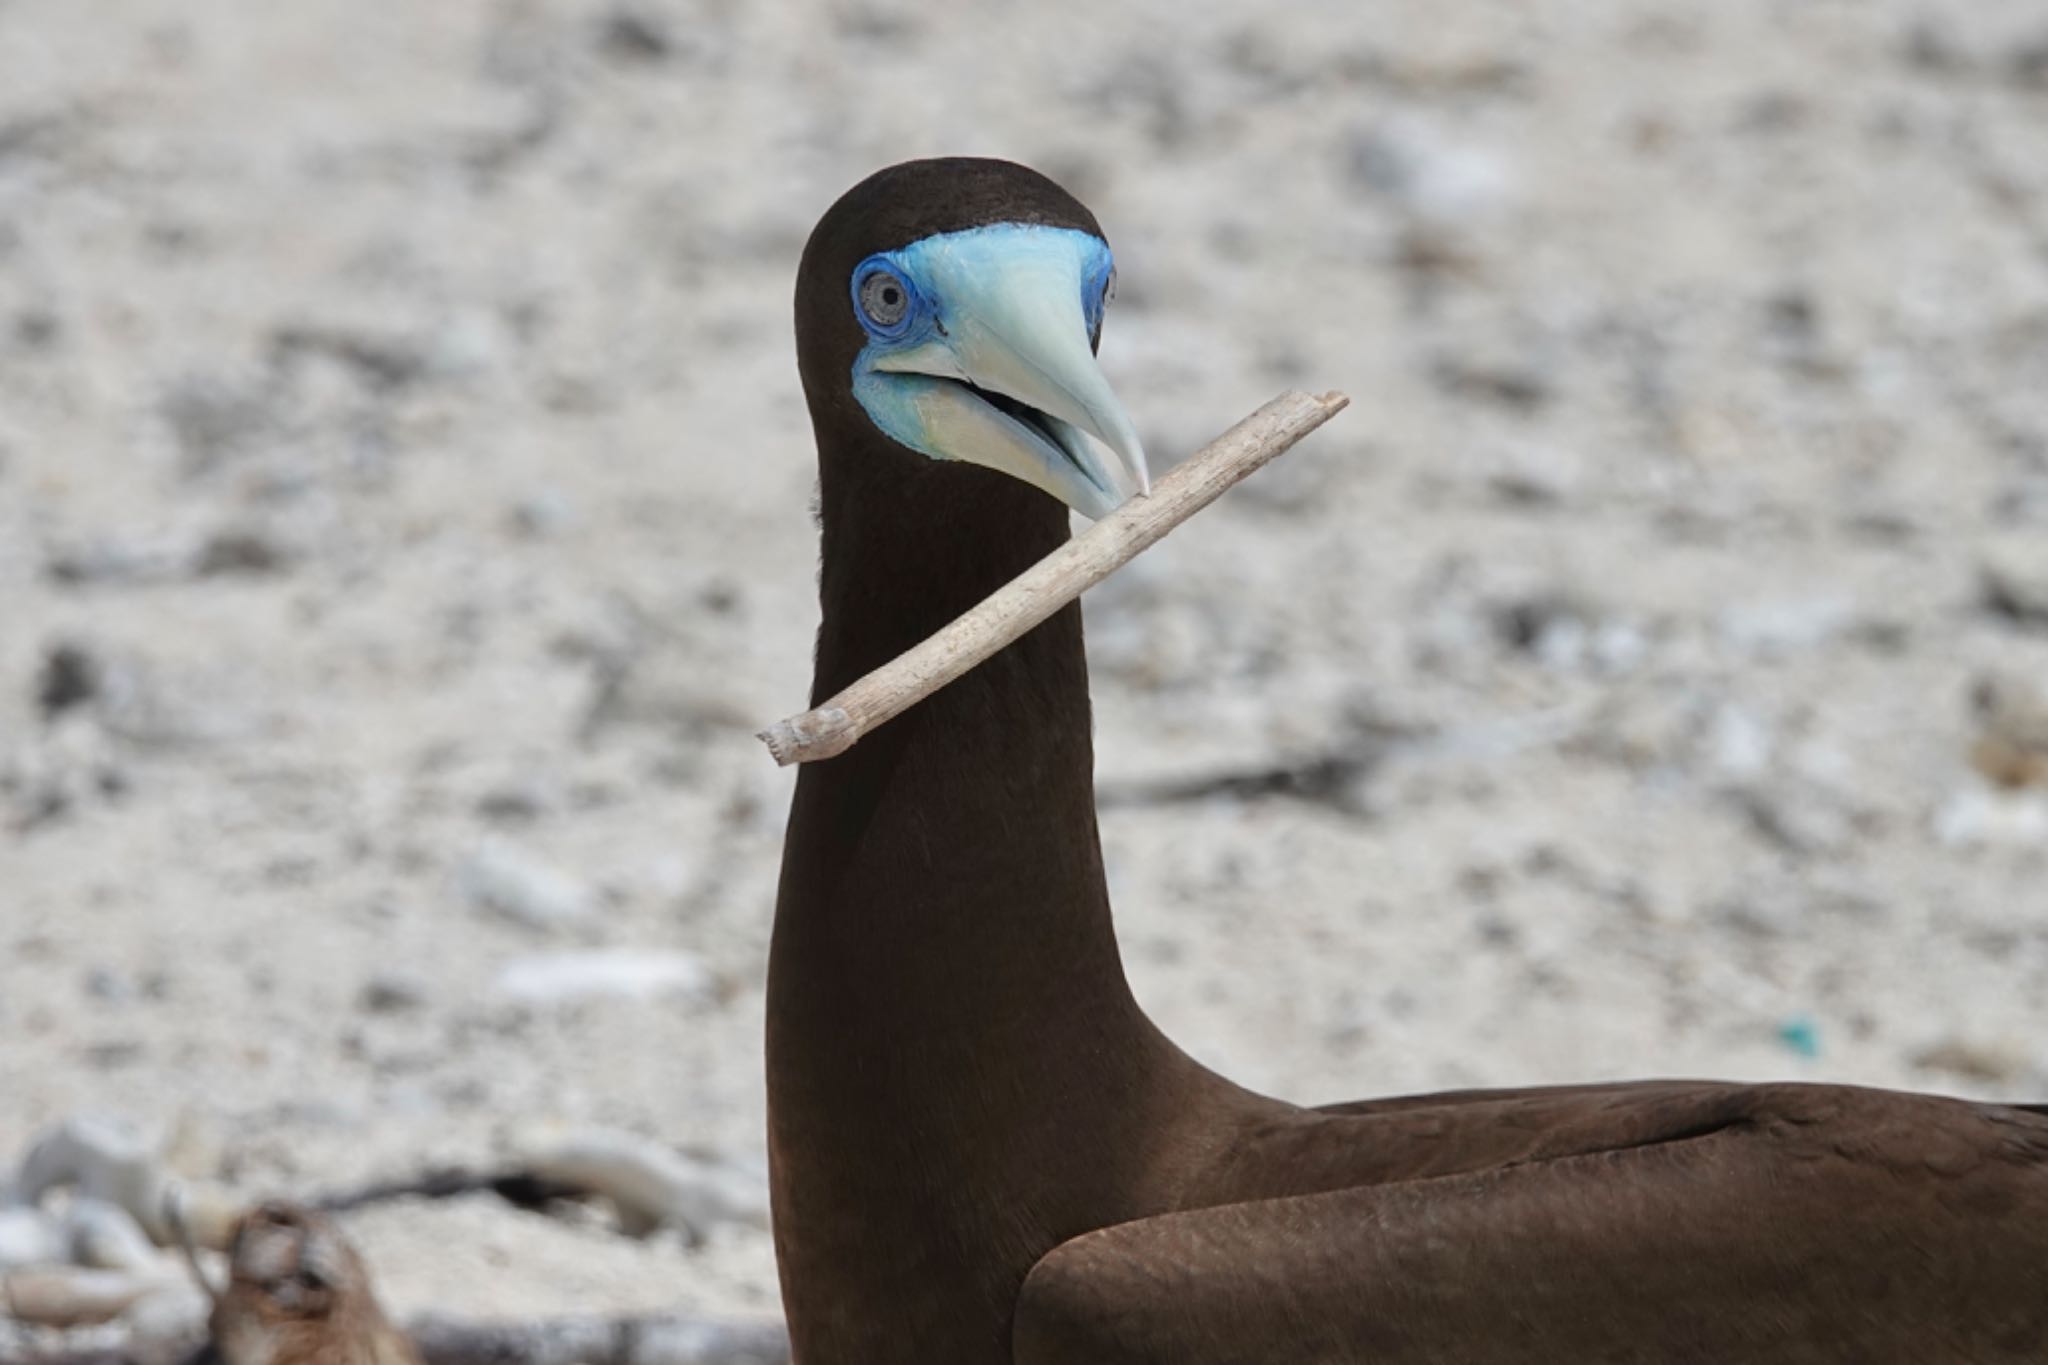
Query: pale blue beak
[{"x": 991, "y": 362}]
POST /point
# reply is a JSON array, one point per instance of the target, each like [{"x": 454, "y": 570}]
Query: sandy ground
[{"x": 403, "y": 498}]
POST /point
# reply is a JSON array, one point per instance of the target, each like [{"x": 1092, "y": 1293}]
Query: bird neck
[
  {"x": 950, "y": 1033},
  {"x": 955, "y": 850}
]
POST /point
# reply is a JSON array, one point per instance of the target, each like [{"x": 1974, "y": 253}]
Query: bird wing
[{"x": 1822, "y": 1225}]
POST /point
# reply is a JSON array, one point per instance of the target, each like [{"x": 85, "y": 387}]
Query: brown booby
[{"x": 983, "y": 1151}]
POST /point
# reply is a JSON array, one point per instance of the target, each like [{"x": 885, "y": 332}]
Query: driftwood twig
[{"x": 1051, "y": 583}]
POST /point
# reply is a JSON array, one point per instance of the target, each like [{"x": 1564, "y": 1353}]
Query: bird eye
[{"x": 884, "y": 299}]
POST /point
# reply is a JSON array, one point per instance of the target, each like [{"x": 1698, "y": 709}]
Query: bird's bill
[{"x": 1012, "y": 381}]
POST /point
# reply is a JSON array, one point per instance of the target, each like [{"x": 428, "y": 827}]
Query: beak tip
[{"x": 1127, "y": 466}]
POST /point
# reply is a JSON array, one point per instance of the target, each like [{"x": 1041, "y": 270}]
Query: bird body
[{"x": 982, "y": 1151}]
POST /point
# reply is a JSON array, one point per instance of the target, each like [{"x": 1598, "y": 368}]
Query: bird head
[{"x": 955, "y": 307}]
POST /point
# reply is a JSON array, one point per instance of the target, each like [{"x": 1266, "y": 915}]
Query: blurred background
[{"x": 404, "y": 521}]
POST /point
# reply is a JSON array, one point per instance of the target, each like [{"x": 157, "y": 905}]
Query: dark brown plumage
[{"x": 982, "y": 1151}]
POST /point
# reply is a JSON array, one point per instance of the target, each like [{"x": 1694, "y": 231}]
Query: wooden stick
[{"x": 1051, "y": 583}]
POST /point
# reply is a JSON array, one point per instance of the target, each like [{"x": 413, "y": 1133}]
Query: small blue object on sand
[{"x": 1801, "y": 1033}]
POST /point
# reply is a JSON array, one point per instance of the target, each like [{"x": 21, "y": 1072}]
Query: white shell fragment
[
  {"x": 651, "y": 1185},
  {"x": 511, "y": 883},
  {"x": 106, "y": 1237},
  {"x": 116, "y": 1173},
  {"x": 29, "y": 1236},
  {"x": 625, "y": 974}
]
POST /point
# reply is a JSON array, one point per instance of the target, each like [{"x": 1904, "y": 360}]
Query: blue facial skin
[{"x": 891, "y": 398}]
